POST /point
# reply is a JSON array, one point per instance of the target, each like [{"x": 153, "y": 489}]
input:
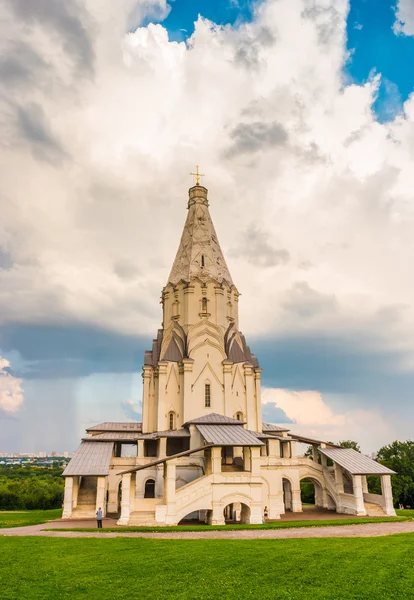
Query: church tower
[{"x": 200, "y": 362}]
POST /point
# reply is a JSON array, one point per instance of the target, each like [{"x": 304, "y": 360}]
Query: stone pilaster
[
  {"x": 100, "y": 494},
  {"x": 125, "y": 499},
  {"x": 162, "y": 383},
  {"x": 339, "y": 479},
  {"x": 358, "y": 494},
  {"x": 227, "y": 373},
  {"x": 68, "y": 498},
  {"x": 257, "y": 377},
  {"x": 250, "y": 397},
  {"x": 387, "y": 494}
]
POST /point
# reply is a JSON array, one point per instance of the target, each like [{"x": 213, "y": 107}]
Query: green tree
[
  {"x": 399, "y": 456},
  {"x": 350, "y": 444}
]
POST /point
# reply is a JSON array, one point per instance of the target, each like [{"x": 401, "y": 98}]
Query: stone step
[
  {"x": 142, "y": 518},
  {"x": 374, "y": 510}
]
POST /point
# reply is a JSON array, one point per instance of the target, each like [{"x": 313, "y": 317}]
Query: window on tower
[
  {"x": 171, "y": 420},
  {"x": 204, "y": 305},
  {"x": 207, "y": 395},
  {"x": 202, "y": 260}
]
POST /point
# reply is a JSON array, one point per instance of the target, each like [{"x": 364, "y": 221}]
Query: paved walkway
[{"x": 368, "y": 530}]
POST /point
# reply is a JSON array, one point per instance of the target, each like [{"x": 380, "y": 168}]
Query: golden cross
[{"x": 197, "y": 176}]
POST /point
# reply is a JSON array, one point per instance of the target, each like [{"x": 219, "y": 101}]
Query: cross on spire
[{"x": 197, "y": 176}]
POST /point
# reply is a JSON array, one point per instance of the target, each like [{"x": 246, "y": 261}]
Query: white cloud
[
  {"x": 314, "y": 418},
  {"x": 11, "y": 393},
  {"x": 97, "y": 161},
  {"x": 404, "y": 17}
]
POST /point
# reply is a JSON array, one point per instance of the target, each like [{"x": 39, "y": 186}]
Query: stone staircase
[
  {"x": 86, "y": 505},
  {"x": 142, "y": 518},
  {"x": 374, "y": 510}
]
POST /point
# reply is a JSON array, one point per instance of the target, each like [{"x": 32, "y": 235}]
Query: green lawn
[
  {"x": 28, "y": 517},
  {"x": 273, "y": 525},
  {"x": 303, "y": 569}
]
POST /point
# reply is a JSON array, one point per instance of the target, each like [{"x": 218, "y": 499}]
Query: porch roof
[
  {"x": 233, "y": 435},
  {"x": 268, "y": 427},
  {"x": 355, "y": 462},
  {"x": 215, "y": 419},
  {"x": 90, "y": 459},
  {"x": 116, "y": 426}
]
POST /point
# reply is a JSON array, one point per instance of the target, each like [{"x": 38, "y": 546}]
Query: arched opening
[
  {"x": 287, "y": 494},
  {"x": 311, "y": 493},
  {"x": 149, "y": 488},
  {"x": 197, "y": 517},
  {"x": 237, "y": 512},
  {"x": 239, "y": 416}
]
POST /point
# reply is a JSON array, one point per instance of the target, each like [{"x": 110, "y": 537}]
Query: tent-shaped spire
[{"x": 199, "y": 254}]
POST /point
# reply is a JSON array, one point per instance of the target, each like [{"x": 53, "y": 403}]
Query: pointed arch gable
[
  {"x": 209, "y": 343},
  {"x": 237, "y": 371},
  {"x": 208, "y": 369},
  {"x": 173, "y": 372}
]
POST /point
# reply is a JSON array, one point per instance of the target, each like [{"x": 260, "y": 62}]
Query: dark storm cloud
[
  {"x": 73, "y": 350},
  {"x": 335, "y": 365},
  {"x": 250, "y": 137},
  {"x": 20, "y": 64},
  {"x": 256, "y": 249},
  {"x": 35, "y": 130},
  {"x": 305, "y": 302},
  {"x": 273, "y": 414},
  {"x": 67, "y": 20},
  {"x": 6, "y": 261}
]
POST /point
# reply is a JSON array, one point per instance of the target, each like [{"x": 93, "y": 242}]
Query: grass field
[
  {"x": 239, "y": 527},
  {"x": 318, "y": 569},
  {"x": 28, "y": 517}
]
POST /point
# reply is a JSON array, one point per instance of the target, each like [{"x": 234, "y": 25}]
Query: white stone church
[{"x": 202, "y": 451}]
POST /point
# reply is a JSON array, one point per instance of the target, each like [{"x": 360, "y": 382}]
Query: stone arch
[{"x": 318, "y": 486}]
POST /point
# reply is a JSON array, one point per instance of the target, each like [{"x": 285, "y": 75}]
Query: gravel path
[{"x": 368, "y": 530}]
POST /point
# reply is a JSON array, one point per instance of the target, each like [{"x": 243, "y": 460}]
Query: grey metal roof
[
  {"x": 355, "y": 462},
  {"x": 169, "y": 433},
  {"x": 119, "y": 436},
  {"x": 116, "y": 426},
  {"x": 269, "y": 436},
  {"x": 224, "y": 435},
  {"x": 272, "y": 427},
  {"x": 307, "y": 440},
  {"x": 91, "y": 458},
  {"x": 214, "y": 418}
]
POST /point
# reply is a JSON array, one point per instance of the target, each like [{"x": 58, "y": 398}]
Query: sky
[{"x": 301, "y": 115}]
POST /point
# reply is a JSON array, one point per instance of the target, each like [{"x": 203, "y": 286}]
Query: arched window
[
  {"x": 171, "y": 420},
  {"x": 239, "y": 416},
  {"x": 207, "y": 395},
  {"x": 204, "y": 305},
  {"x": 149, "y": 488}
]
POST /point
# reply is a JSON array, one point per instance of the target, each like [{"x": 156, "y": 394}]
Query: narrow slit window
[
  {"x": 172, "y": 420},
  {"x": 207, "y": 396},
  {"x": 202, "y": 260},
  {"x": 204, "y": 305}
]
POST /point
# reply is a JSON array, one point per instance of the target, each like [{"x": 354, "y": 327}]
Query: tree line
[{"x": 30, "y": 487}]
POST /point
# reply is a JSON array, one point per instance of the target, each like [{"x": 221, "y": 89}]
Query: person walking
[{"x": 99, "y": 517}]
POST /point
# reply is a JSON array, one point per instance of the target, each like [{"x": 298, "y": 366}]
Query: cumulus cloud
[
  {"x": 404, "y": 17},
  {"x": 104, "y": 118},
  {"x": 313, "y": 417},
  {"x": 11, "y": 393}
]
